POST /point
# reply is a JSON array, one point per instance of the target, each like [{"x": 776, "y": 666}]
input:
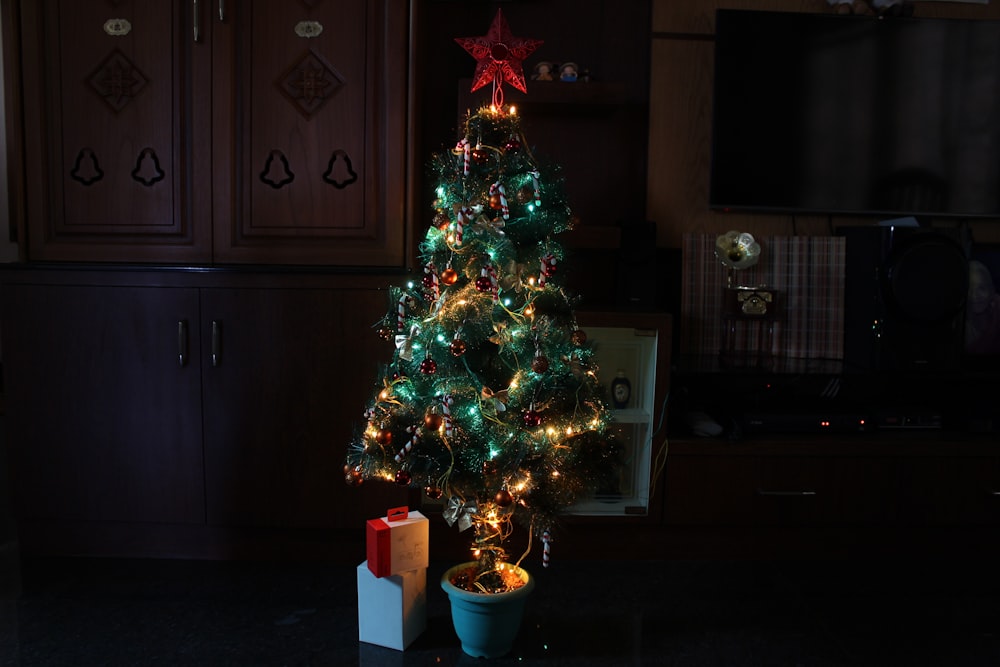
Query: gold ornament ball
[
  {"x": 578, "y": 337},
  {"x": 495, "y": 202},
  {"x": 383, "y": 437},
  {"x": 449, "y": 276}
]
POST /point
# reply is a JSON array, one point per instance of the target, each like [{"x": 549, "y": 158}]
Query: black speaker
[{"x": 904, "y": 298}]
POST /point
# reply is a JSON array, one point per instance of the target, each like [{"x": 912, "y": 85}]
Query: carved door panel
[
  {"x": 313, "y": 127},
  {"x": 116, "y": 131}
]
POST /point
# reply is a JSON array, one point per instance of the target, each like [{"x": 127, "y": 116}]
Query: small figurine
[
  {"x": 543, "y": 71},
  {"x": 568, "y": 72}
]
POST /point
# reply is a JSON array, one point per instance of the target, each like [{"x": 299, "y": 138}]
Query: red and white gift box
[
  {"x": 392, "y": 610},
  {"x": 397, "y": 542}
]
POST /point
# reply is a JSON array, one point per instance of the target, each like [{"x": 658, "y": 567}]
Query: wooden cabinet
[
  {"x": 884, "y": 481},
  {"x": 200, "y": 132},
  {"x": 164, "y": 414},
  {"x": 104, "y": 421}
]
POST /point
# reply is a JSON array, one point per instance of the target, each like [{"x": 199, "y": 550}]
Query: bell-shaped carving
[{"x": 276, "y": 171}]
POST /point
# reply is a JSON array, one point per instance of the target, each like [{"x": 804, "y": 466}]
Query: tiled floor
[{"x": 83, "y": 612}]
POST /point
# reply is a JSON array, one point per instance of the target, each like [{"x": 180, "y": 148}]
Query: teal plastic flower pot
[{"x": 487, "y": 623}]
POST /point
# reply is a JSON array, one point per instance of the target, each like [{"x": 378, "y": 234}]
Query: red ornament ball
[
  {"x": 489, "y": 467},
  {"x": 532, "y": 418},
  {"x": 458, "y": 347},
  {"x": 433, "y": 492},
  {"x": 441, "y": 220},
  {"x": 403, "y": 478},
  {"x": 428, "y": 366},
  {"x": 495, "y": 201},
  {"x": 386, "y": 332},
  {"x": 484, "y": 284},
  {"x": 384, "y": 437},
  {"x": 480, "y": 155},
  {"x": 540, "y": 364},
  {"x": 428, "y": 280},
  {"x": 578, "y": 337},
  {"x": 449, "y": 276},
  {"x": 503, "y": 498},
  {"x": 353, "y": 477},
  {"x": 433, "y": 421},
  {"x": 512, "y": 145}
]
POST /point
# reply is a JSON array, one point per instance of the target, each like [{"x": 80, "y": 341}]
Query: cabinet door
[
  {"x": 116, "y": 143},
  {"x": 104, "y": 408},
  {"x": 310, "y": 132},
  {"x": 282, "y": 397}
]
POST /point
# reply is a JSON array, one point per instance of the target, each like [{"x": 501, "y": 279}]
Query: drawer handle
[
  {"x": 222, "y": 10},
  {"x": 182, "y": 342},
  {"x": 216, "y": 342},
  {"x": 196, "y": 21},
  {"x": 797, "y": 494}
]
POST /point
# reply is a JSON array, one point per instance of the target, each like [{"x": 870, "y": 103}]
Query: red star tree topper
[{"x": 499, "y": 56}]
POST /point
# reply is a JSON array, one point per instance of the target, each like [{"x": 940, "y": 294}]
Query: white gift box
[
  {"x": 397, "y": 542},
  {"x": 392, "y": 610}
]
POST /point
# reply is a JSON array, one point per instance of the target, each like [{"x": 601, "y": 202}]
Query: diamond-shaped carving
[
  {"x": 309, "y": 83},
  {"x": 117, "y": 80}
]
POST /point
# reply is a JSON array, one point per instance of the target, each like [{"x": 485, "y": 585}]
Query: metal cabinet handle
[
  {"x": 222, "y": 10},
  {"x": 182, "y": 342},
  {"x": 196, "y": 20},
  {"x": 216, "y": 342},
  {"x": 765, "y": 492}
]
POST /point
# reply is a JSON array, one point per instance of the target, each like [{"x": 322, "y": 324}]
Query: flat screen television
[{"x": 841, "y": 114}]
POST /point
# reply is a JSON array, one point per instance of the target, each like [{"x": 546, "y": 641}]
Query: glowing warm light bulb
[
  {"x": 493, "y": 108},
  {"x": 513, "y": 110},
  {"x": 384, "y": 394}
]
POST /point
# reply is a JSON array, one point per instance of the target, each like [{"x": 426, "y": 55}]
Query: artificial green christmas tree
[{"x": 491, "y": 401}]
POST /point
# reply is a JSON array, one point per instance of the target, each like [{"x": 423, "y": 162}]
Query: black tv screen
[{"x": 842, "y": 114}]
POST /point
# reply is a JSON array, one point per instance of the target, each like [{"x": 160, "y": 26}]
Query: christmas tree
[{"x": 491, "y": 401}]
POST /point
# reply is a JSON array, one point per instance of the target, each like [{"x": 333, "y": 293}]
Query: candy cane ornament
[
  {"x": 466, "y": 149},
  {"x": 401, "y": 312},
  {"x": 431, "y": 281},
  {"x": 498, "y": 189},
  {"x": 463, "y": 218},
  {"x": 446, "y": 402},
  {"x": 547, "y": 268},
  {"x": 408, "y": 447},
  {"x": 538, "y": 190},
  {"x": 546, "y": 547}
]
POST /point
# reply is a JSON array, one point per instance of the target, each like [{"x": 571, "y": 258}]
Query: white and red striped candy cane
[
  {"x": 466, "y": 149},
  {"x": 497, "y": 189},
  {"x": 538, "y": 190},
  {"x": 548, "y": 268},
  {"x": 401, "y": 313},
  {"x": 463, "y": 218},
  {"x": 546, "y": 547},
  {"x": 446, "y": 402},
  {"x": 431, "y": 272},
  {"x": 491, "y": 271},
  {"x": 408, "y": 447}
]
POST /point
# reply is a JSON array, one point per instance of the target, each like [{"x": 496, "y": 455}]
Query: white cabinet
[{"x": 638, "y": 346}]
